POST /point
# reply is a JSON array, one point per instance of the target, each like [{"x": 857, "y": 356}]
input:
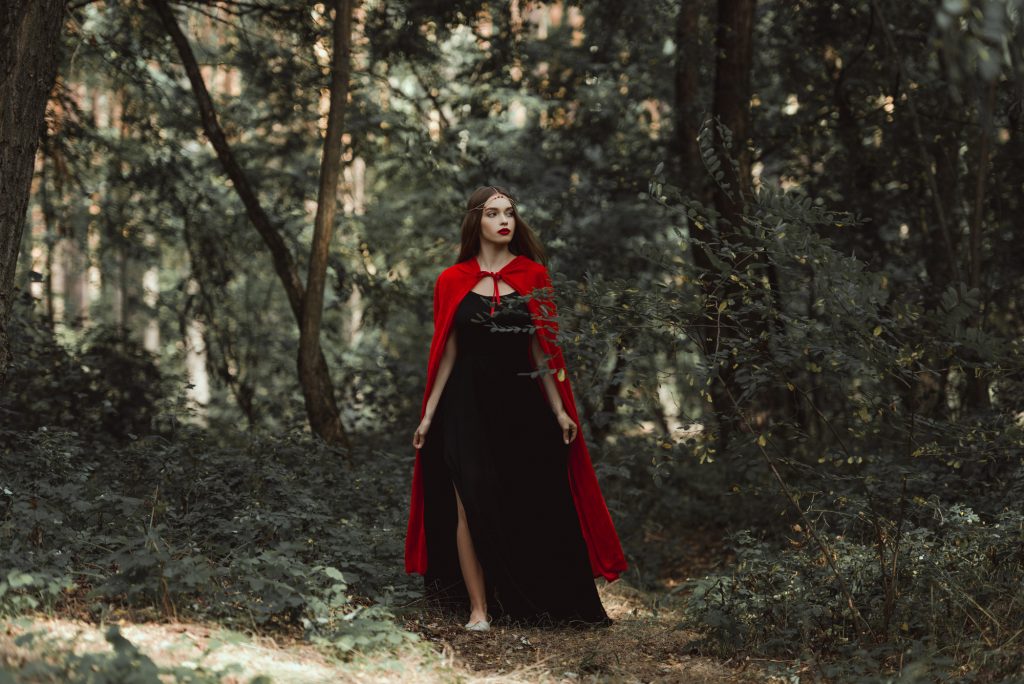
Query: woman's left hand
[{"x": 569, "y": 428}]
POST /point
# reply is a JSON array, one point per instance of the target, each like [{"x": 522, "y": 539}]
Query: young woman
[{"x": 505, "y": 506}]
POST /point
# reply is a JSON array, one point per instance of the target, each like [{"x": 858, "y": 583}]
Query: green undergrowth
[
  {"x": 941, "y": 603},
  {"x": 275, "y": 535}
]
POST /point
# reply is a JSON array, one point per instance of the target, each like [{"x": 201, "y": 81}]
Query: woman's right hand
[{"x": 421, "y": 433}]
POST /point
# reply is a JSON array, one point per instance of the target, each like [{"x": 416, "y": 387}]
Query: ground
[{"x": 645, "y": 644}]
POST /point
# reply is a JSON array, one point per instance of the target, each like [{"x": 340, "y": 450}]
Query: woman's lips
[{"x": 504, "y": 231}]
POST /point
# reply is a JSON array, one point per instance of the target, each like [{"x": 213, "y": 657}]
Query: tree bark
[
  {"x": 29, "y": 56},
  {"x": 325, "y": 419},
  {"x": 687, "y": 91},
  {"x": 734, "y": 40},
  {"x": 977, "y": 385},
  {"x": 327, "y": 203}
]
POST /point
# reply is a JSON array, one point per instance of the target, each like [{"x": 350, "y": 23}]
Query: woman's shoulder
[
  {"x": 529, "y": 263},
  {"x": 452, "y": 274},
  {"x": 537, "y": 270},
  {"x": 521, "y": 260},
  {"x": 455, "y": 270},
  {"x": 523, "y": 263}
]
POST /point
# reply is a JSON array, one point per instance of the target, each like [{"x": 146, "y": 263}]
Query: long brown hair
[{"x": 524, "y": 241}]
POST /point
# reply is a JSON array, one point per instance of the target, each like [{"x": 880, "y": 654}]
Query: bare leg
[{"x": 472, "y": 572}]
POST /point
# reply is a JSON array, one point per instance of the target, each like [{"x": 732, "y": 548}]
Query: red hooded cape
[{"x": 524, "y": 275}]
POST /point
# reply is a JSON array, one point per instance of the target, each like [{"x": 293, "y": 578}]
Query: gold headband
[{"x": 497, "y": 195}]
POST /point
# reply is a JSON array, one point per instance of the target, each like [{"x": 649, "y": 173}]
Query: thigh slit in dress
[{"x": 495, "y": 439}]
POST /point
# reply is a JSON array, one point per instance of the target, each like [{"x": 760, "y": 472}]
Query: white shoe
[{"x": 479, "y": 625}]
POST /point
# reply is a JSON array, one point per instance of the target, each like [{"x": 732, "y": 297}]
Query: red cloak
[{"x": 523, "y": 274}]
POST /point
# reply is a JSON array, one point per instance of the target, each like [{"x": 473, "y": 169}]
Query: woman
[{"x": 505, "y": 505}]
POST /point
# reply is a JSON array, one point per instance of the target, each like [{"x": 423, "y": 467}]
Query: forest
[{"x": 785, "y": 241}]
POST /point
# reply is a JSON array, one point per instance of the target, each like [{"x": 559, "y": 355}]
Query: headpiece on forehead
[{"x": 497, "y": 194}]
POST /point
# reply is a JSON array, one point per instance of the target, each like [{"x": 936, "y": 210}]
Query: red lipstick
[{"x": 504, "y": 231}]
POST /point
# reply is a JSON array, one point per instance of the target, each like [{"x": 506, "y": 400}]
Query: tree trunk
[
  {"x": 693, "y": 180},
  {"x": 734, "y": 39},
  {"x": 49, "y": 239},
  {"x": 327, "y": 203},
  {"x": 29, "y": 55},
  {"x": 324, "y": 420},
  {"x": 977, "y": 385},
  {"x": 687, "y": 91}
]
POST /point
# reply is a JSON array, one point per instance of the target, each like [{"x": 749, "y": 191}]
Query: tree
[
  {"x": 734, "y": 40},
  {"x": 306, "y": 301},
  {"x": 29, "y": 37},
  {"x": 313, "y": 382},
  {"x": 734, "y": 37},
  {"x": 687, "y": 101}
]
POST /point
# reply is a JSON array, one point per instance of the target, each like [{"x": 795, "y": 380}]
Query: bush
[
  {"x": 106, "y": 386},
  {"x": 952, "y": 590},
  {"x": 257, "y": 532}
]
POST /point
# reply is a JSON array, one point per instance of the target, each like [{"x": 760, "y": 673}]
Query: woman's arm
[
  {"x": 444, "y": 369},
  {"x": 547, "y": 378}
]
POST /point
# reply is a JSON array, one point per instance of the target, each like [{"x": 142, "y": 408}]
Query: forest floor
[{"x": 645, "y": 643}]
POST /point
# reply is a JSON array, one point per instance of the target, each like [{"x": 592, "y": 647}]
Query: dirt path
[{"x": 641, "y": 646}]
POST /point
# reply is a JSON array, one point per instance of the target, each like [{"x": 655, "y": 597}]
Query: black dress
[{"x": 495, "y": 437}]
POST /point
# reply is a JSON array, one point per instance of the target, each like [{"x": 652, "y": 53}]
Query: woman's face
[{"x": 498, "y": 223}]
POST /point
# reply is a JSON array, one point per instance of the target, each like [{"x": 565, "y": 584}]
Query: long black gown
[{"x": 495, "y": 437}]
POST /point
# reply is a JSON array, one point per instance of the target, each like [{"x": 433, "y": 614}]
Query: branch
[{"x": 284, "y": 263}]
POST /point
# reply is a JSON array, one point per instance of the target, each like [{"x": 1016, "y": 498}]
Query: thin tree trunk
[
  {"x": 984, "y": 148},
  {"x": 693, "y": 180},
  {"x": 687, "y": 91},
  {"x": 29, "y": 56},
  {"x": 734, "y": 40},
  {"x": 49, "y": 239},
  {"x": 123, "y": 285},
  {"x": 313, "y": 388},
  {"x": 977, "y": 385},
  {"x": 325, "y": 420},
  {"x": 688, "y": 161},
  {"x": 284, "y": 264}
]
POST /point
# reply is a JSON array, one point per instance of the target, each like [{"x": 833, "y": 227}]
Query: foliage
[
  {"x": 273, "y": 534},
  {"x": 902, "y": 488},
  {"x": 945, "y": 607},
  {"x": 105, "y": 381},
  {"x": 850, "y": 376}
]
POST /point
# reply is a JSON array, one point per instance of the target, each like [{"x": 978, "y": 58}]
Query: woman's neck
[{"x": 492, "y": 258}]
